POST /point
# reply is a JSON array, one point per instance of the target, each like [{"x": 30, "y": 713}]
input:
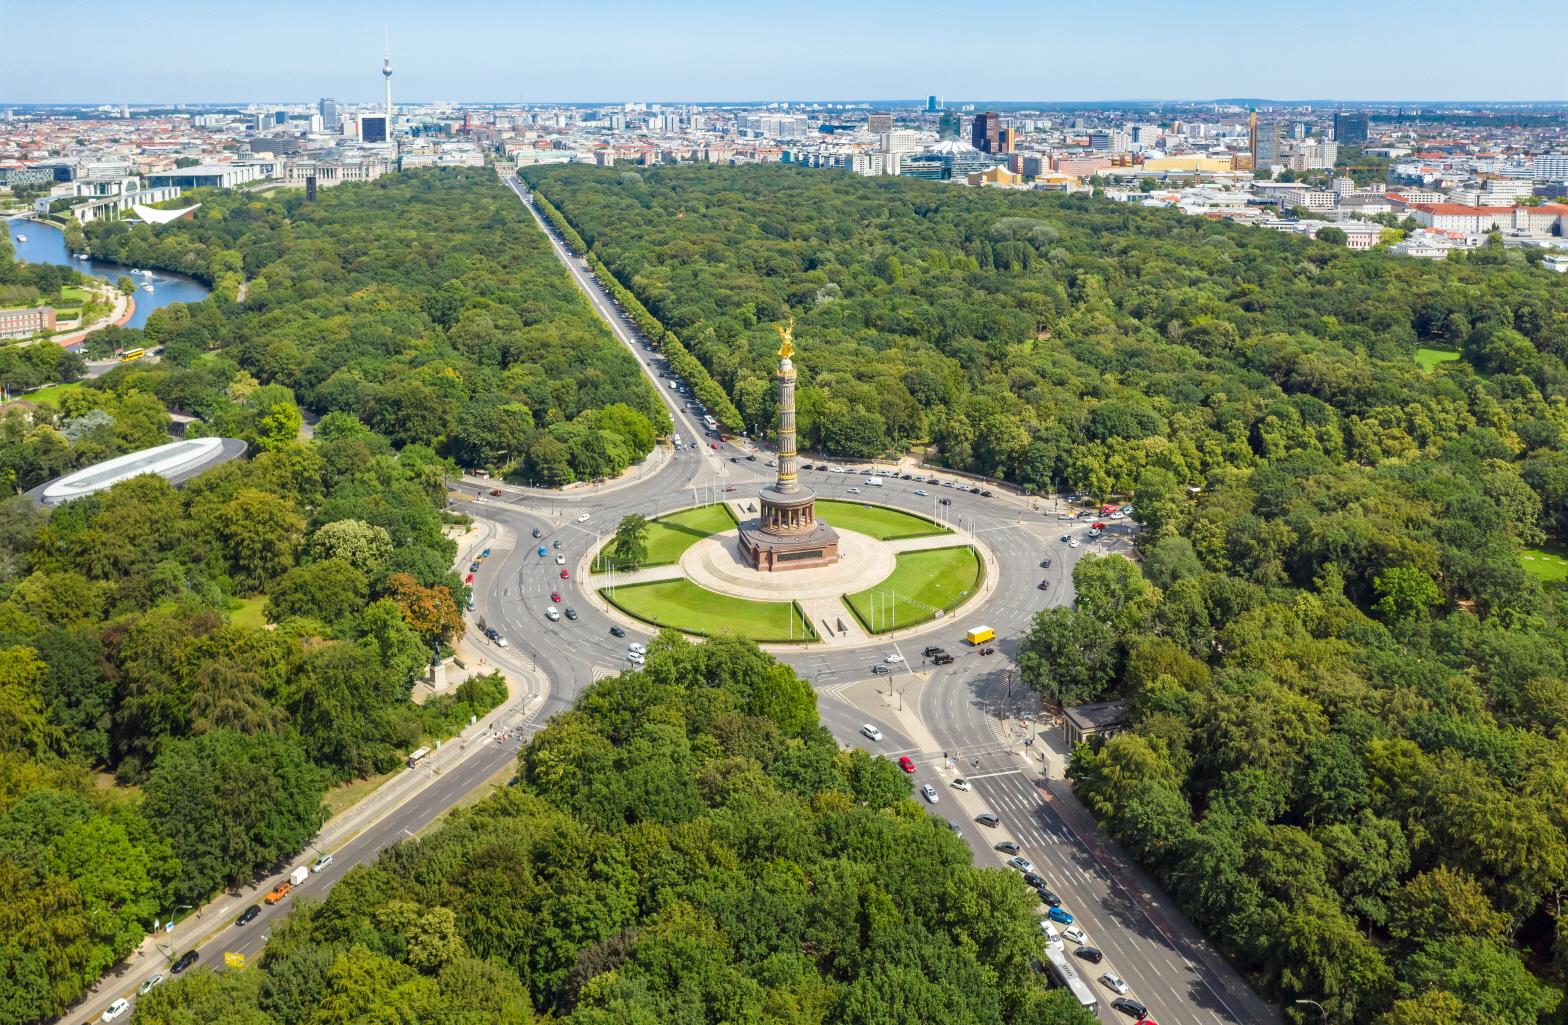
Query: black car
[
  {"x": 736, "y": 459},
  {"x": 1008, "y": 847},
  {"x": 555, "y": 544},
  {"x": 1034, "y": 879},
  {"x": 1089, "y": 954},
  {"x": 1129, "y": 1006},
  {"x": 985, "y": 494},
  {"x": 538, "y": 532},
  {"x": 186, "y": 960},
  {"x": 943, "y": 659},
  {"x": 616, "y": 631},
  {"x": 931, "y": 651},
  {"x": 1048, "y": 897},
  {"x": 987, "y": 819},
  {"x": 879, "y": 669},
  {"x": 1045, "y": 563},
  {"x": 751, "y": 459},
  {"x": 947, "y": 501},
  {"x": 492, "y": 633},
  {"x": 248, "y": 915},
  {"x": 570, "y": 612},
  {"x": 1045, "y": 585}
]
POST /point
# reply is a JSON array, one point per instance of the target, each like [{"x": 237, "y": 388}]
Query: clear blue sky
[{"x": 293, "y": 50}]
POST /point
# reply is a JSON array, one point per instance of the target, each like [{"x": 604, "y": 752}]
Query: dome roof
[{"x": 954, "y": 147}]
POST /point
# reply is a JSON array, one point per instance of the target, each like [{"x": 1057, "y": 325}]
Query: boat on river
[{"x": 21, "y": 238}]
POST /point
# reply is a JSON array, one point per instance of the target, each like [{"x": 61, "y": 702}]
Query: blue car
[
  {"x": 485, "y": 554},
  {"x": 1058, "y": 915},
  {"x": 542, "y": 551}
]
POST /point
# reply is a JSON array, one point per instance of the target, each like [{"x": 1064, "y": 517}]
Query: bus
[
  {"x": 1063, "y": 973},
  {"x": 130, "y": 354}
]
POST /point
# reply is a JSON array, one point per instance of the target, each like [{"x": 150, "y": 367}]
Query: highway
[{"x": 965, "y": 720}]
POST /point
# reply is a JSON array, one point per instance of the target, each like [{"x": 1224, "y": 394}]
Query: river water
[{"x": 46, "y": 244}]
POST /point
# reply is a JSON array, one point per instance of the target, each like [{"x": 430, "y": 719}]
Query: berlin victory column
[{"x": 787, "y": 534}]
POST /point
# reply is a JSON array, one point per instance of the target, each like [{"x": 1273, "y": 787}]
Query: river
[{"x": 46, "y": 244}]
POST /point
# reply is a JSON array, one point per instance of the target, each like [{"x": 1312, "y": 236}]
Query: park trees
[{"x": 629, "y": 548}]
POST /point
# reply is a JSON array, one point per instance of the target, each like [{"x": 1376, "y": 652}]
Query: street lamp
[{"x": 1314, "y": 1003}]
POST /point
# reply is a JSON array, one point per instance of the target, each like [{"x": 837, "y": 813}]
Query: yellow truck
[{"x": 979, "y": 635}]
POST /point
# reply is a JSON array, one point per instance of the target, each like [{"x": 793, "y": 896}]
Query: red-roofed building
[{"x": 1548, "y": 217}]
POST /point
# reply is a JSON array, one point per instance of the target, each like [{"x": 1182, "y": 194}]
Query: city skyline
[{"x": 697, "y": 52}]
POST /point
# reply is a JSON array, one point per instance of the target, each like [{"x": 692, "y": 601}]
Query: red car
[
  {"x": 906, "y": 764},
  {"x": 555, "y": 596},
  {"x": 713, "y": 444},
  {"x": 468, "y": 579},
  {"x": 1097, "y": 525},
  {"x": 565, "y": 575}
]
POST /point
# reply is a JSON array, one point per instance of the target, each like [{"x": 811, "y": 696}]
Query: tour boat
[
  {"x": 21, "y": 238},
  {"x": 80, "y": 256},
  {"x": 146, "y": 288}
]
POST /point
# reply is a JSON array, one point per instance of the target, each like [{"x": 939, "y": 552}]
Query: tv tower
[{"x": 386, "y": 72}]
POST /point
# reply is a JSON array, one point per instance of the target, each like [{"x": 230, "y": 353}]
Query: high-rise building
[
  {"x": 1351, "y": 129},
  {"x": 372, "y": 129},
  {"x": 1006, "y": 139},
  {"x": 280, "y": 117},
  {"x": 949, "y": 125},
  {"x": 1267, "y": 145},
  {"x": 327, "y": 107},
  {"x": 876, "y": 124},
  {"x": 933, "y": 103},
  {"x": 985, "y": 132}
]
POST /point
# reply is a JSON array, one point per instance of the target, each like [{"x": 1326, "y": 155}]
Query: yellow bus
[{"x": 130, "y": 354}]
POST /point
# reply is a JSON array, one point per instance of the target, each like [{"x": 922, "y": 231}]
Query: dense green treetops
[
  {"x": 1348, "y": 754},
  {"x": 687, "y": 845}
]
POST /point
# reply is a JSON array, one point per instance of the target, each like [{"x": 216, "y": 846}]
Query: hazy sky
[{"x": 291, "y": 50}]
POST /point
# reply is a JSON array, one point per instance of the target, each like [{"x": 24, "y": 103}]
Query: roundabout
[{"x": 701, "y": 579}]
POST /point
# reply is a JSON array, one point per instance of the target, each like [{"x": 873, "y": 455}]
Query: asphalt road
[{"x": 971, "y": 711}]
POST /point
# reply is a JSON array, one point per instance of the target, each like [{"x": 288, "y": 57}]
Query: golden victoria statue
[{"x": 788, "y": 335}]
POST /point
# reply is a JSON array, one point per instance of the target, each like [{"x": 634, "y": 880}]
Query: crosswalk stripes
[{"x": 600, "y": 672}]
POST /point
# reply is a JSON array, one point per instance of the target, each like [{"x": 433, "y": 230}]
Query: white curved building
[{"x": 175, "y": 462}]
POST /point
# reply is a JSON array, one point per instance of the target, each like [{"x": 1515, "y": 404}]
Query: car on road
[
  {"x": 854, "y": 491},
  {"x": 879, "y": 669},
  {"x": 468, "y": 579},
  {"x": 984, "y": 493},
  {"x": 835, "y": 469},
  {"x": 115, "y": 1010},
  {"x": 929, "y": 793},
  {"x": 543, "y": 551},
  {"x": 1058, "y": 915},
  {"x": 1045, "y": 585},
  {"x": 638, "y": 647},
  {"x": 932, "y": 651},
  {"x": 556, "y": 544},
  {"x": 1127, "y": 1005},
  {"x": 566, "y": 574},
  {"x": 187, "y": 959},
  {"x": 988, "y": 651},
  {"x": 961, "y": 785},
  {"x": 552, "y": 613},
  {"x": 870, "y": 732},
  {"x": 560, "y": 560},
  {"x": 538, "y": 532},
  {"x": 248, "y": 915},
  {"x": 1073, "y": 543},
  {"x": 636, "y": 658},
  {"x": 469, "y": 603},
  {"x": 473, "y": 567},
  {"x": 321, "y": 863},
  {"x": 947, "y": 501},
  {"x": 582, "y": 518},
  {"x": 906, "y": 763},
  {"x": 1067, "y": 537},
  {"x": 988, "y": 819},
  {"x": 1075, "y": 934},
  {"x": 495, "y": 492},
  {"x": 616, "y": 631},
  {"x": 147, "y": 986},
  {"x": 279, "y": 892},
  {"x": 571, "y": 613},
  {"x": 555, "y": 596},
  {"x": 1048, "y": 896},
  {"x": 922, "y": 492},
  {"x": 1007, "y": 847},
  {"x": 894, "y": 659},
  {"x": 943, "y": 659},
  {"x": 1034, "y": 879},
  {"x": 728, "y": 488},
  {"x": 1021, "y": 863},
  {"x": 1090, "y": 954},
  {"x": 751, "y": 459}
]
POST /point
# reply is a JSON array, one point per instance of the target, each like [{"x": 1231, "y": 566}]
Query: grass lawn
[
  {"x": 76, "y": 293},
  {"x": 1548, "y": 563},
  {"x": 695, "y": 610},
  {"x": 1428, "y": 359},
  {"x": 52, "y": 393},
  {"x": 921, "y": 584},
  {"x": 670, "y": 536},
  {"x": 876, "y": 521},
  {"x": 249, "y": 611},
  {"x": 341, "y": 798}
]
